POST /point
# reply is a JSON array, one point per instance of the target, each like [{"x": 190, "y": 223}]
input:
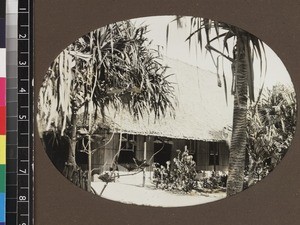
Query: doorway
[{"x": 163, "y": 151}]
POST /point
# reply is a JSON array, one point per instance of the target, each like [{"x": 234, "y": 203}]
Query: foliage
[
  {"x": 110, "y": 66},
  {"x": 221, "y": 41},
  {"x": 240, "y": 48},
  {"x": 271, "y": 126},
  {"x": 181, "y": 176},
  {"x": 217, "y": 180}
]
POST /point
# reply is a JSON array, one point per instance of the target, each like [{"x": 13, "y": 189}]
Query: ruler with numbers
[{"x": 19, "y": 209}]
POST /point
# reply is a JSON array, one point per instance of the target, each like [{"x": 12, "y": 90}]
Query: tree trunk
[
  {"x": 71, "y": 170},
  {"x": 252, "y": 174},
  {"x": 241, "y": 71}
]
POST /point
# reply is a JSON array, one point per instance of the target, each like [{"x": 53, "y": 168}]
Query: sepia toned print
[{"x": 166, "y": 111}]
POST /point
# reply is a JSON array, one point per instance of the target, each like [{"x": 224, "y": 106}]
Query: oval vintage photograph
[{"x": 166, "y": 111}]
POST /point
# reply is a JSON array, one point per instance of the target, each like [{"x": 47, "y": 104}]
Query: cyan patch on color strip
[
  {"x": 2, "y": 207},
  {"x": 2, "y": 149}
]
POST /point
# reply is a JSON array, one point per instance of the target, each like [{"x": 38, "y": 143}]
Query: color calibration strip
[
  {"x": 12, "y": 111},
  {"x": 2, "y": 113},
  {"x": 19, "y": 170}
]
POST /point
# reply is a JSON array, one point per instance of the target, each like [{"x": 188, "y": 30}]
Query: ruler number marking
[
  {"x": 22, "y": 90},
  {"x": 23, "y": 171},
  {"x": 22, "y": 117},
  {"x": 22, "y": 63},
  {"x": 22, "y": 36},
  {"x": 22, "y": 198}
]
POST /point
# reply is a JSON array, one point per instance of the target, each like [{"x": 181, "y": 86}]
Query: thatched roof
[{"x": 201, "y": 114}]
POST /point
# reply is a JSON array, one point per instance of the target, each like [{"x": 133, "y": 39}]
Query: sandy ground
[{"x": 128, "y": 189}]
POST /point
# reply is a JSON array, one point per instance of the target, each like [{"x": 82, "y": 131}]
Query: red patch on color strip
[{"x": 2, "y": 120}]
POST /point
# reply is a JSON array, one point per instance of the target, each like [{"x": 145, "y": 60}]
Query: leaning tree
[
  {"x": 109, "y": 67},
  {"x": 240, "y": 48}
]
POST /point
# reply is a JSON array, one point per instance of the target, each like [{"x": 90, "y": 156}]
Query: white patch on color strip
[{"x": 2, "y": 62}]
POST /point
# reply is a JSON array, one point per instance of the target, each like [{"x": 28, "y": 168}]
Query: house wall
[
  {"x": 103, "y": 157},
  {"x": 202, "y": 156}
]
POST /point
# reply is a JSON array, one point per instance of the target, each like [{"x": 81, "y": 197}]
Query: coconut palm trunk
[
  {"x": 241, "y": 71},
  {"x": 246, "y": 46}
]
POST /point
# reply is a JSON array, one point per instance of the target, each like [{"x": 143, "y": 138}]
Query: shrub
[
  {"x": 217, "y": 180},
  {"x": 270, "y": 129},
  {"x": 182, "y": 175}
]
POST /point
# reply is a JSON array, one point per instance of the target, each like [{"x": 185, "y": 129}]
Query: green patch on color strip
[{"x": 2, "y": 178}]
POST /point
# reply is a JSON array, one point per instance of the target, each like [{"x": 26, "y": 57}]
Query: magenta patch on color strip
[{"x": 2, "y": 91}]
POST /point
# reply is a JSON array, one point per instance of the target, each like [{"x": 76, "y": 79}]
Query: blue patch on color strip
[
  {"x": 2, "y": 32},
  {"x": 2, "y": 208}
]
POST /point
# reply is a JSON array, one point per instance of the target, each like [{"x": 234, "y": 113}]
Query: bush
[
  {"x": 182, "y": 175},
  {"x": 217, "y": 180},
  {"x": 270, "y": 129}
]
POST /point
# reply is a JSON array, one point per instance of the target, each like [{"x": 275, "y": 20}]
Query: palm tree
[
  {"x": 110, "y": 66},
  {"x": 241, "y": 57}
]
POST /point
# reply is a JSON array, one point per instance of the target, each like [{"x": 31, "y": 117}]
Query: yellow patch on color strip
[{"x": 2, "y": 149}]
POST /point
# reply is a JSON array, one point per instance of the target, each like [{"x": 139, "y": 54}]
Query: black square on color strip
[
  {"x": 11, "y": 166},
  {"x": 2, "y": 8},
  {"x": 11, "y": 191},
  {"x": 11, "y": 205},
  {"x": 11, "y": 218},
  {"x": 11, "y": 178},
  {"x": 2, "y": 32}
]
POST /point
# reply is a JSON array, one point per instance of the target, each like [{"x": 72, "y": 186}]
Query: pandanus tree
[
  {"x": 240, "y": 48},
  {"x": 271, "y": 126},
  {"x": 109, "y": 67}
]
